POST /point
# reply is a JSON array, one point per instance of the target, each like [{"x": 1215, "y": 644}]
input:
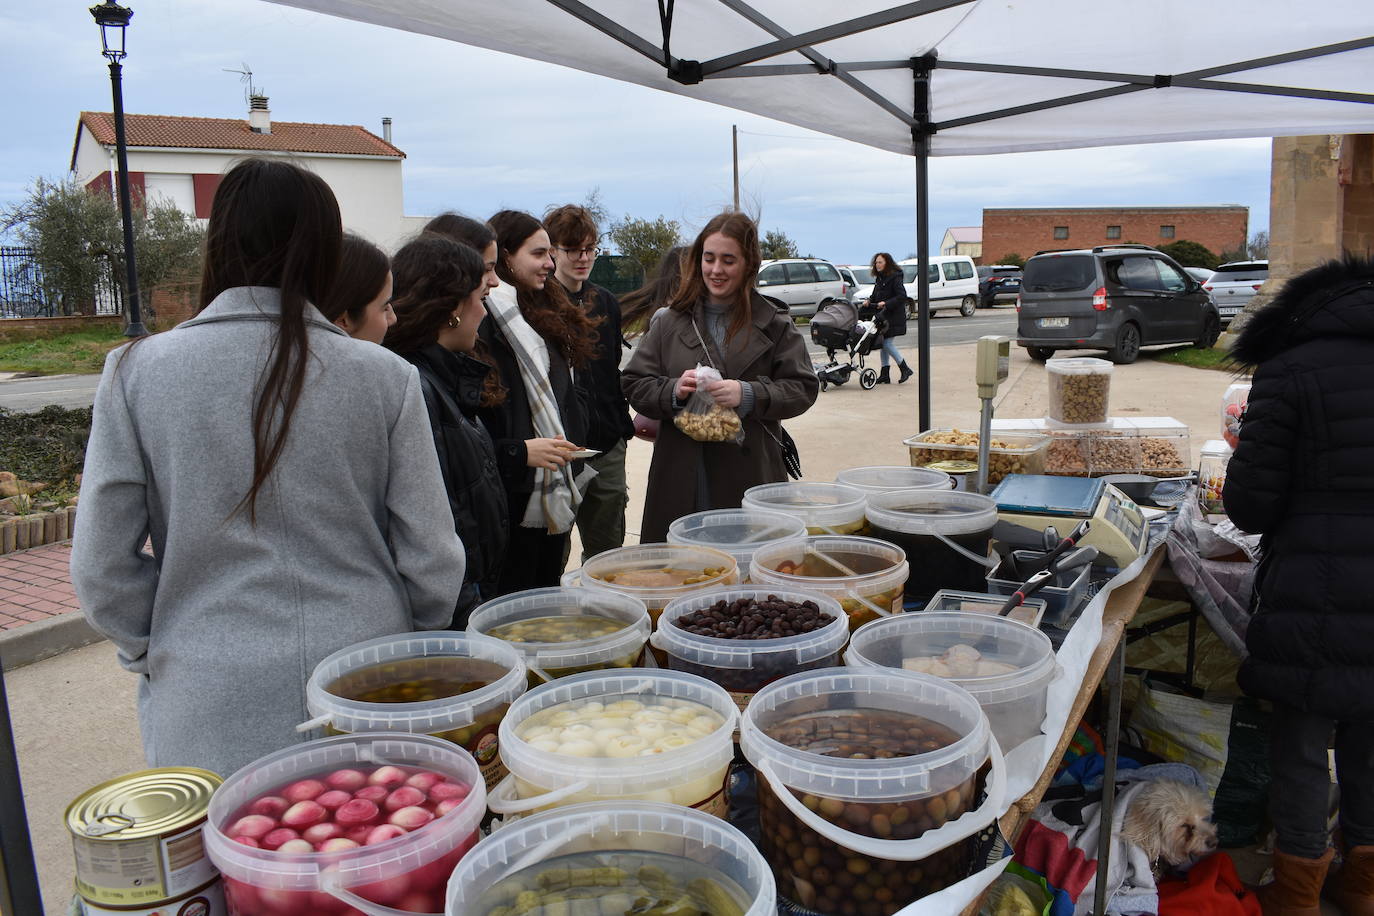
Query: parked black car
[
  {"x": 996, "y": 282},
  {"x": 1113, "y": 298}
]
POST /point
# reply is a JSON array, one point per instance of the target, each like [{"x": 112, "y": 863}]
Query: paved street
[
  {"x": 946, "y": 328},
  {"x": 26, "y": 394}
]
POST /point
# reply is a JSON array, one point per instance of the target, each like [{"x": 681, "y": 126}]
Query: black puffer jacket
[
  {"x": 608, "y": 418},
  {"x": 452, "y": 386},
  {"x": 1303, "y": 476},
  {"x": 890, "y": 289}
]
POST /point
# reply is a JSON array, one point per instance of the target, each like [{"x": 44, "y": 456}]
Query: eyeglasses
[{"x": 580, "y": 252}]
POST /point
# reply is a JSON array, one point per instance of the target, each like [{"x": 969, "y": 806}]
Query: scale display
[{"x": 1034, "y": 501}]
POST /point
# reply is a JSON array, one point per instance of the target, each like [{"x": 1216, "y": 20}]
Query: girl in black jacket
[
  {"x": 437, "y": 297},
  {"x": 1303, "y": 477},
  {"x": 889, "y": 294}
]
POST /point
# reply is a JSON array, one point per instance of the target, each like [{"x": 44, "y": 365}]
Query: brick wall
[
  {"x": 1026, "y": 231},
  {"x": 38, "y": 328}
]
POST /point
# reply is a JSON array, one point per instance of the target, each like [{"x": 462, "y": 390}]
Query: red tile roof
[{"x": 233, "y": 133}]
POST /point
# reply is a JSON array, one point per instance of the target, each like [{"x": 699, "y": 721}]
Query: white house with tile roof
[
  {"x": 967, "y": 240},
  {"x": 181, "y": 159}
]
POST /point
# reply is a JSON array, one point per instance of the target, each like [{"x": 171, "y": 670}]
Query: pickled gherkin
[
  {"x": 561, "y": 628},
  {"x": 622, "y": 883}
]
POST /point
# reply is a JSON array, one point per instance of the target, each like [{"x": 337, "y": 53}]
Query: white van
[{"x": 953, "y": 283}]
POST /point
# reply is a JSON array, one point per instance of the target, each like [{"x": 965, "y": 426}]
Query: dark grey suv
[{"x": 1113, "y": 298}]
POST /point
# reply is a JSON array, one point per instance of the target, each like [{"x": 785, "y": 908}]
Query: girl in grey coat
[{"x": 286, "y": 476}]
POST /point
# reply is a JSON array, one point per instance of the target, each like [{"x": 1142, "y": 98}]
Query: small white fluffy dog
[{"x": 1171, "y": 822}]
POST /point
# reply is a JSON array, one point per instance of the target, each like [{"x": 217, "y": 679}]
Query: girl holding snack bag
[{"x": 725, "y": 365}]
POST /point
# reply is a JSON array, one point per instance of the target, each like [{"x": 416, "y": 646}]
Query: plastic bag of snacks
[{"x": 703, "y": 419}]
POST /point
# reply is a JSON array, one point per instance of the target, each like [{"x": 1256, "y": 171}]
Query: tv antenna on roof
[{"x": 246, "y": 77}]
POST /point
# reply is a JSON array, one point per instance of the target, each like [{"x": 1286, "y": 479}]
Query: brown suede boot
[
  {"x": 1352, "y": 888},
  {"x": 1297, "y": 886}
]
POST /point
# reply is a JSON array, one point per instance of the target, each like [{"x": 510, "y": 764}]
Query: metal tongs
[{"x": 1056, "y": 560}]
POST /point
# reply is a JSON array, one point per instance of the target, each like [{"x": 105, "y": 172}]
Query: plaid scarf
[{"x": 553, "y": 504}]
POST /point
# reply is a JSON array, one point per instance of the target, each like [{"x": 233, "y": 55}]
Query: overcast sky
[{"x": 483, "y": 130}]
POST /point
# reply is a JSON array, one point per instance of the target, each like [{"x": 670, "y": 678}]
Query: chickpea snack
[
  {"x": 1007, "y": 454},
  {"x": 454, "y": 686},
  {"x": 869, "y": 785},
  {"x": 1079, "y": 389},
  {"x": 703, "y": 419}
]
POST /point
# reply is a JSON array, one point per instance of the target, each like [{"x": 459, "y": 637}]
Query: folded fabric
[{"x": 1210, "y": 888}]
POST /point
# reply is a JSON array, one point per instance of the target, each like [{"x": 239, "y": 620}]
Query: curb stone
[{"x": 42, "y": 639}]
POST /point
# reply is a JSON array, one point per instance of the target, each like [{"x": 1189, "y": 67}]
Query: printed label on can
[
  {"x": 486, "y": 751},
  {"x": 204, "y": 901},
  {"x": 132, "y": 872}
]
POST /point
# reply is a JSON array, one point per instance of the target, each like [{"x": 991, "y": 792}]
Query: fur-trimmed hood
[{"x": 1333, "y": 300}]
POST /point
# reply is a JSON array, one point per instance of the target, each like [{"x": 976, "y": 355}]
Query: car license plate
[
  {"x": 1229, "y": 312},
  {"x": 1060, "y": 322}
]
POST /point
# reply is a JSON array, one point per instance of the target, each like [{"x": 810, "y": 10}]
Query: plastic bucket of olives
[
  {"x": 825, "y": 508},
  {"x": 865, "y": 575},
  {"x": 637, "y": 734},
  {"x": 563, "y": 631},
  {"x": 606, "y": 857},
  {"x": 454, "y": 686},
  {"x": 738, "y": 532},
  {"x": 1006, "y": 665},
  {"x": 868, "y": 785},
  {"x": 657, "y": 573},
  {"x": 945, "y": 534},
  {"x": 885, "y": 478},
  {"x": 745, "y": 637}
]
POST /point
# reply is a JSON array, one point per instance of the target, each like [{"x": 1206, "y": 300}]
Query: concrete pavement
[
  {"x": 74, "y": 717},
  {"x": 26, "y": 394}
]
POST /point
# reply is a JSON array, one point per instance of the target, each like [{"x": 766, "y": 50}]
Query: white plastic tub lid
[
  {"x": 818, "y": 504},
  {"x": 1080, "y": 365},
  {"x": 738, "y": 532},
  {"x": 562, "y": 601},
  {"x": 653, "y": 557},
  {"x": 882, "y": 478},
  {"x": 947, "y": 512},
  {"x": 738, "y": 654}
]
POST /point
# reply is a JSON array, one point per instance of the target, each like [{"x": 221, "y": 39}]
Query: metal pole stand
[
  {"x": 19, "y": 894},
  {"x": 984, "y": 444},
  {"x": 1116, "y": 673}
]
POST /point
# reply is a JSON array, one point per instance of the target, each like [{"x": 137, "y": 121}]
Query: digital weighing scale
[{"x": 1034, "y": 501}]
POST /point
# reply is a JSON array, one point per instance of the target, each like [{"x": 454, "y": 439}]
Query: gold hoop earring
[{"x": 454, "y": 321}]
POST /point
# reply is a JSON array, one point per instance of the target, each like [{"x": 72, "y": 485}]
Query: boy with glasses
[{"x": 601, "y": 517}]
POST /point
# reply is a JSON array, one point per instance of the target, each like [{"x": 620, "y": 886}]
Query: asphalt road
[
  {"x": 946, "y": 328},
  {"x": 25, "y": 394}
]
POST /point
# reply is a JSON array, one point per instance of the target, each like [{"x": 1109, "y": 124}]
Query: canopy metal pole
[
  {"x": 920, "y": 138},
  {"x": 19, "y": 893}
]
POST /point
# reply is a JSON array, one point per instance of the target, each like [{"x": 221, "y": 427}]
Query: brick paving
[{"x": 35, "y": 585}]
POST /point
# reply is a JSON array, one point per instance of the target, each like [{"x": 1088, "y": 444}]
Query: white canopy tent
[{"x": 952, "y": 77}]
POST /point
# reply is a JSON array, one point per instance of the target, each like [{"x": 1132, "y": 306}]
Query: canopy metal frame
[{"x": 745, "y": 64}]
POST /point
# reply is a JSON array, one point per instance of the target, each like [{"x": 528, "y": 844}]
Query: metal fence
[{"x": 23, "y": 294}]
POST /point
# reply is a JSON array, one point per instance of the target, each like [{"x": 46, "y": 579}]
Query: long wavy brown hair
[
  {"x": 733, "y": 225},
  {"x": 637, "y": 307},
  {"x": 476, "y": 235},
  {"x": 549, "y": 310},
  {"x": 892, "y": 266}
]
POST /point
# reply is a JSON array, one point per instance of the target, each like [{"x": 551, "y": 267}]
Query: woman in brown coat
[{"x": 715, "y": 318}]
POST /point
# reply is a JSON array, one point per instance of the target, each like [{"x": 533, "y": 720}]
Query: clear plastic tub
[
  {"x": 624, "y": 835},
  {"x": 1028, "y": 612},
  {"x": 407, "y": 872},
  {"x": 344, "y": 691},
  {"x": 865, "y": 575},
  {"x": 825, "y": 508},
  {"x": 1063, "y": 598},
  {"x": 1165, "y": 446},
  {"x": 1008, "y": 454},
  {"x": 738, "y": 532},
  {"x": 656, "y": 573},
  {"x": 945, "y": 536},
  {"x": 1014, "y": 700},
  {"x": 692, "y": 775},
  {"x": 884, "y": 478},
  {"x": 742, "y": 666},
  {"x": 1233, "y": 404},
  {"x": 546, "y": 661},
  {"x": 906, "y": 810},
  {"x": 1211, "y": 478},
  {"x": 1079, "y": 389}
]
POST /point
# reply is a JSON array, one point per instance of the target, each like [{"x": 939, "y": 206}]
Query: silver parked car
[
  {"x": 802, "y": 284},
  {"x": 1234, "y": 284}
]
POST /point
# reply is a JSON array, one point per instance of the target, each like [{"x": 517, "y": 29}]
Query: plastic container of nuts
[
  {"x": 656, "y": 573},
  {"x": 869, "y": 772},
  {"x": 1165, "y": 446},
  {"x": 1006, "y": 665},
  {"x": 1007, "y": 455},
  {"x": 580, "y": 858},
  {"x": 825, "y": 508},
  {"x": 735, "y": 656},
  {"x": 636, "y": 734},
  {"x": 563, "y": 631},
  {"x": 1079, "y": 389},
  {"x": 454, "y": 686},
  {"x": 738, "y": 532},
  {"x": 865, "y": 575}
]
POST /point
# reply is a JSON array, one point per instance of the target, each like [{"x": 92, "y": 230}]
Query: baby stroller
[{"x": 856, "y": 330}]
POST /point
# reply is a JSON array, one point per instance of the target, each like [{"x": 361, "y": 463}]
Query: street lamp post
[{"x": 113, "y": 20}]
